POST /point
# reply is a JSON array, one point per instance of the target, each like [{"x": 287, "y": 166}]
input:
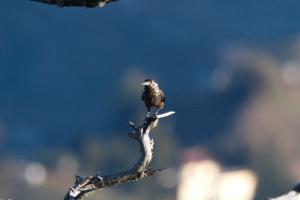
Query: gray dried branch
[
  {"x": 294, "y": 194},
  {"x": 77, "y": 3},
  {"x": 140, "y": 170}
]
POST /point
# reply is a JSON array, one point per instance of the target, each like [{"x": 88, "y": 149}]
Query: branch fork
[{"x": 140, "y": 170}]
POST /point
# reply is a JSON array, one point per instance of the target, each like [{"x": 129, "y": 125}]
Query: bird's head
[{"x": 149, "y": 83}]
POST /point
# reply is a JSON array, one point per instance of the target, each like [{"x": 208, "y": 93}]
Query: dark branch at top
[{"x": 77, "y": 3}]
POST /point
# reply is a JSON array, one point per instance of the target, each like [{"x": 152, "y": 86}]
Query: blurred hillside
[
  {"x": 56, "y": 63},
  {"x": 69, "y": 81}
]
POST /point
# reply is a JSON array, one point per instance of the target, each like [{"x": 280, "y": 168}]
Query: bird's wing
[{"x": 162, "y": 94}]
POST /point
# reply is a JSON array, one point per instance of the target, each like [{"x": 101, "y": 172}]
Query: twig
[
  {"x": 77, "y": 3},
  {"x": 294, "y": 194},
  {"x": 83, "y": 186}
]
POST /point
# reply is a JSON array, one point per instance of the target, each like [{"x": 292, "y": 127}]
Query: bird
[{"x": 152, "y": 96}]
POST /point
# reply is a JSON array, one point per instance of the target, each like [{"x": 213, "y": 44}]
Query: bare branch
[
  {"x": 77, "y": 3},
  {"x": 294, "y": 194},
  {"x": 165, "y": 114},
  {"x": 140, "y": 170}
]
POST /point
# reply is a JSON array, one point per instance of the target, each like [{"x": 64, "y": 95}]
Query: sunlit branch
[{"x": 140, "y": 170}]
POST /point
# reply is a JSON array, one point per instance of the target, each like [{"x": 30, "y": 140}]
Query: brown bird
[{"x": 153, "y": 96}]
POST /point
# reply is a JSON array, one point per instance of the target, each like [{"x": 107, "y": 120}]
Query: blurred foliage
[{"x": 266, "y": 128}]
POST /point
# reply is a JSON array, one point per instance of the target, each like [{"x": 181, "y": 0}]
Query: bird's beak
[{"x": 145, "y": 83}]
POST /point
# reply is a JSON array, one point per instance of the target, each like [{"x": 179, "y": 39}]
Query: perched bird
[{"x": 153, "y": 96}]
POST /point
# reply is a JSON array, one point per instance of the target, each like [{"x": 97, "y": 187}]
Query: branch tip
[
  {"x": 131, "y": 123},
  {"x": 167, "y": 114}
]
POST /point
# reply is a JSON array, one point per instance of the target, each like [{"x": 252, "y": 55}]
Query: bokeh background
[{"x": 70, "y": 81}]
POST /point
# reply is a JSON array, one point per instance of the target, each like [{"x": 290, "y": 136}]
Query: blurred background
[{"x": 70, "y": 80}]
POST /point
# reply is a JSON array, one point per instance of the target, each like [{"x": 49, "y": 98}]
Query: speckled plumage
[{"x": 152, "y": 95}]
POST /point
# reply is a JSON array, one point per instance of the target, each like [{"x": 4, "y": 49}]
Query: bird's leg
[
  {"x": 149, "y": 111},
  {"x": 157, "y": 111},
  {"x": 99, "y": 176}
]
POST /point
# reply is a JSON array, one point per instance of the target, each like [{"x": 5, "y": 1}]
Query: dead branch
[
  {"x": 77, "y": 3},
  {"x": 294, "y": 194},
  {"x": 140, "y": 170}
]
